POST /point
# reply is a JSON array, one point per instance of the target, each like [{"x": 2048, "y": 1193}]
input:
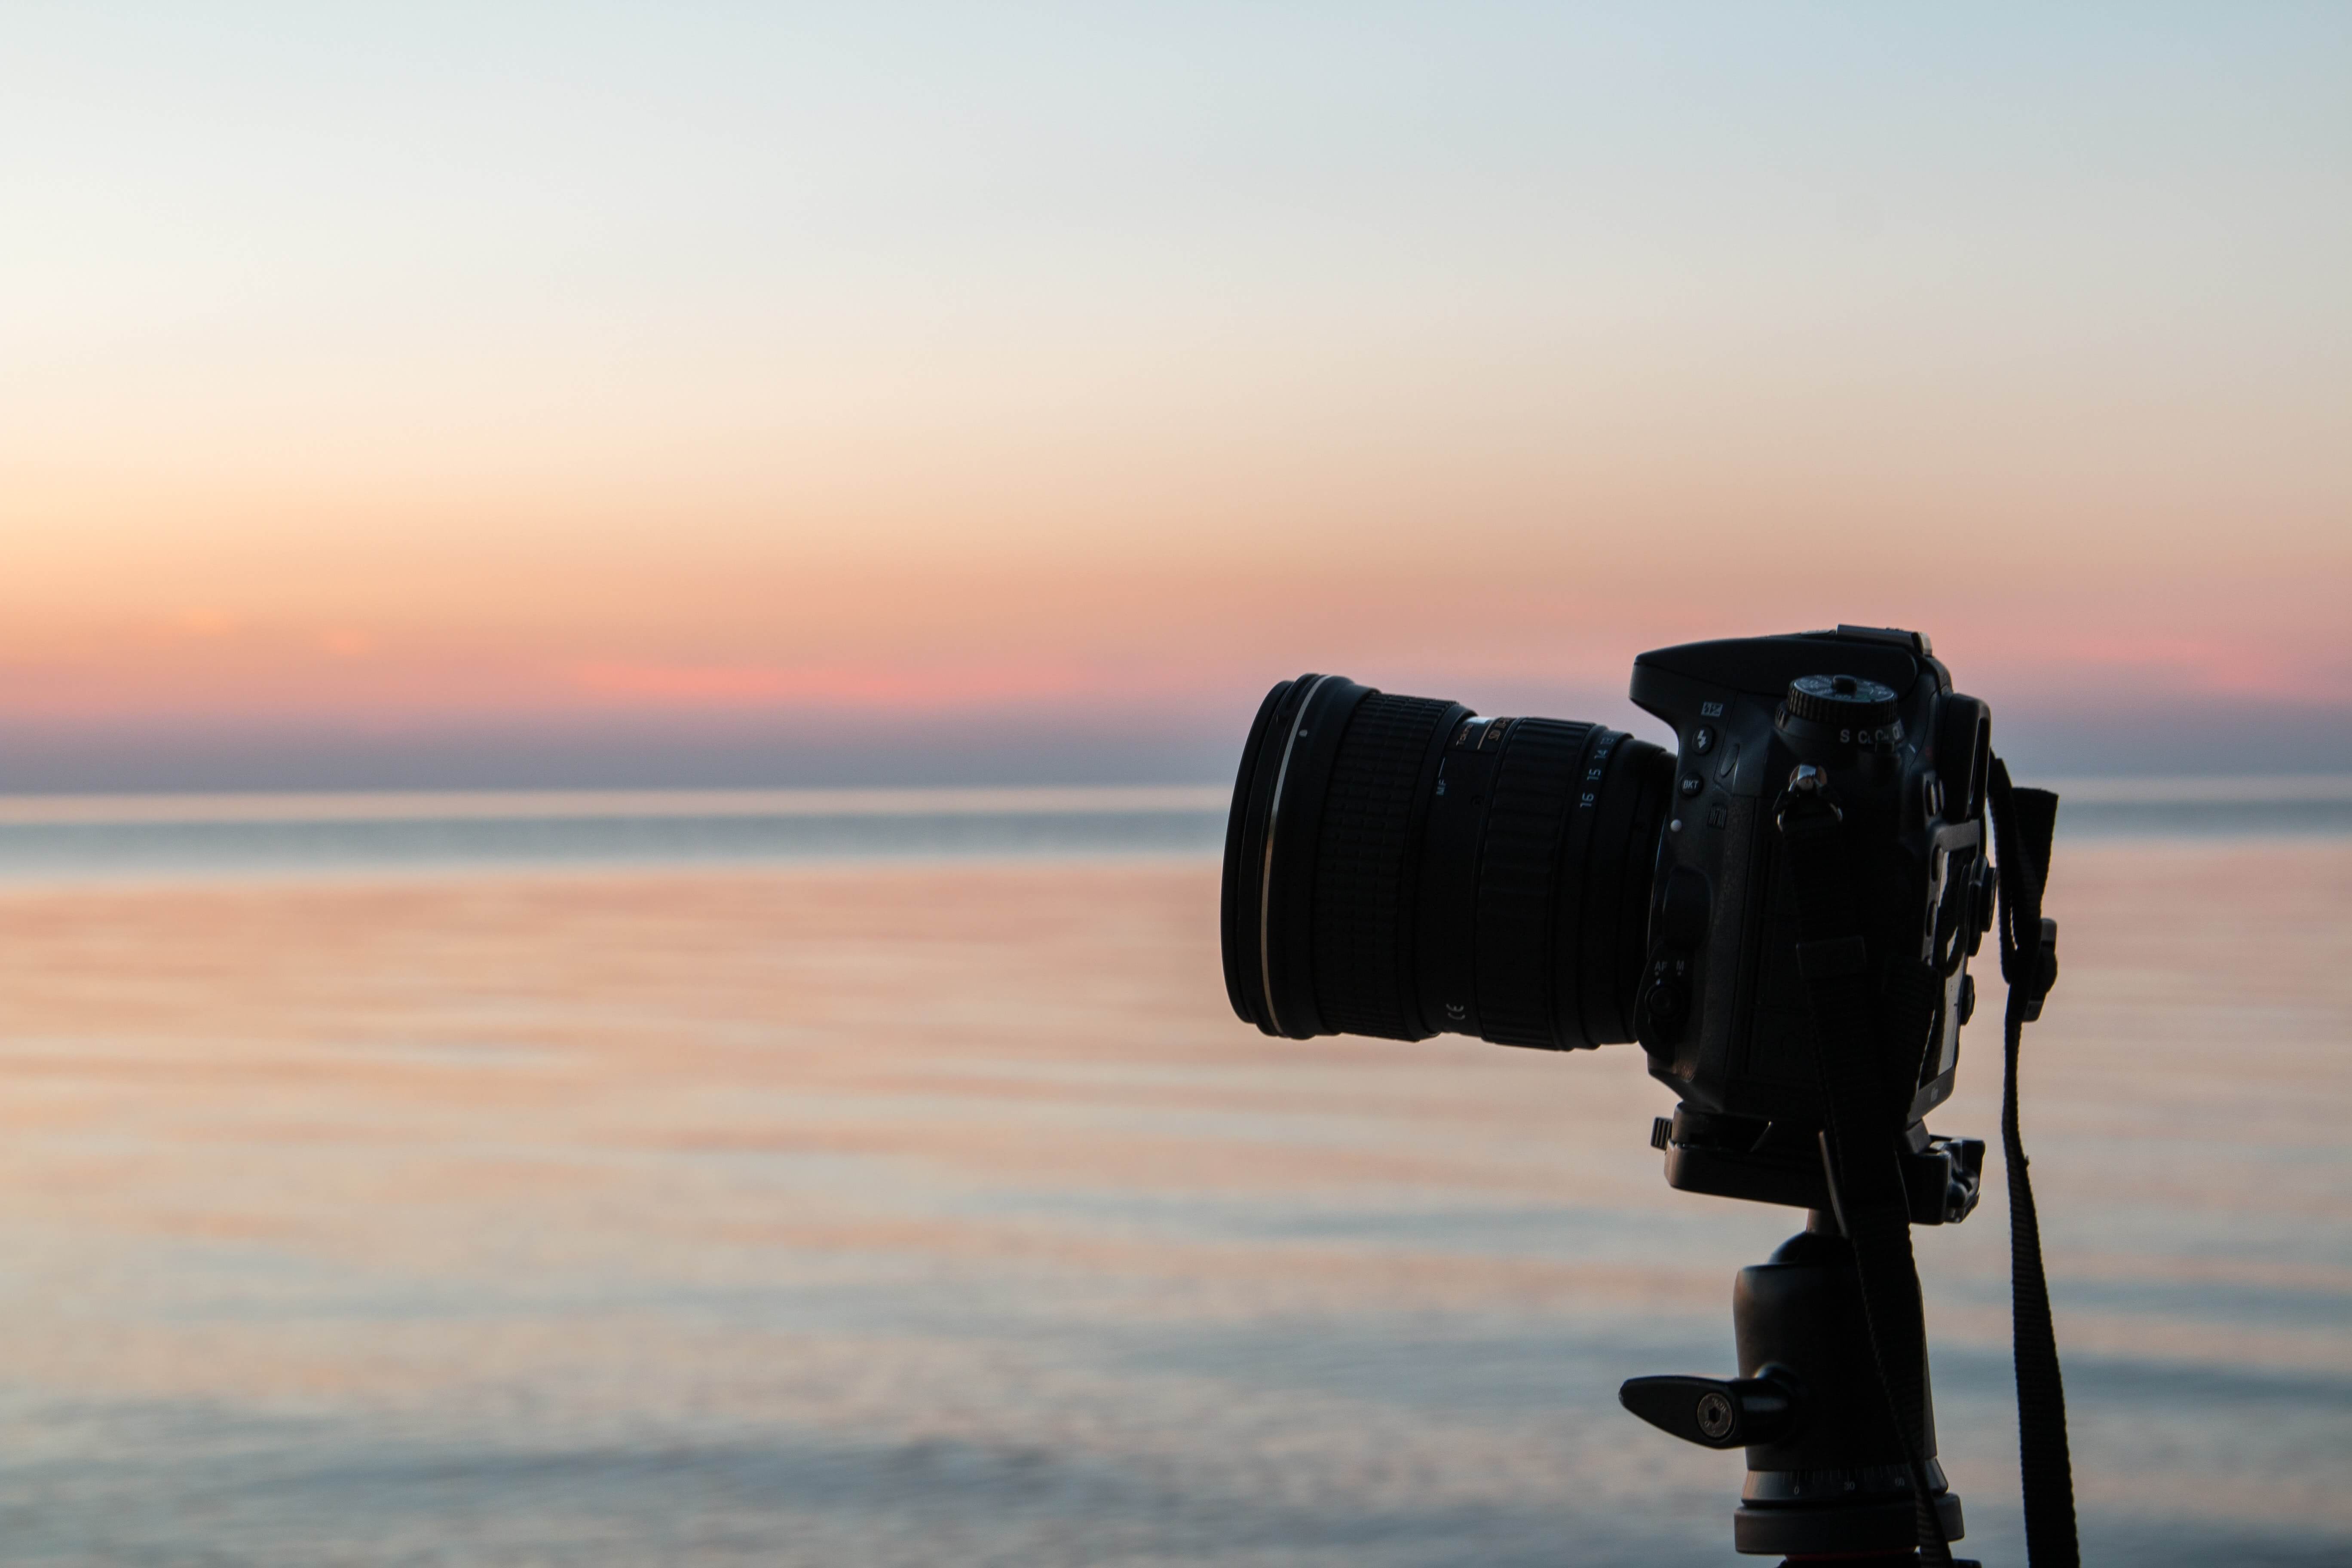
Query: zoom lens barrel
[{"x": 1398, "y": 866}]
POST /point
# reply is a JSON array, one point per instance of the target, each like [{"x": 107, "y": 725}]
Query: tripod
[{"x": 1827, "y": 1479}]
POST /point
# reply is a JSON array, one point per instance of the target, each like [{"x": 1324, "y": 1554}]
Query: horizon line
[
  {"x": 96, "y": 808},
  {"x": 107, "y": 807}
]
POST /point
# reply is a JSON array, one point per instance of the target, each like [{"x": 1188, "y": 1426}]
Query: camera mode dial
[{"x": 1843, "y": 701}]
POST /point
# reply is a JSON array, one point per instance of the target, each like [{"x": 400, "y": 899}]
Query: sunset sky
[{"x": 490, "y": 392}]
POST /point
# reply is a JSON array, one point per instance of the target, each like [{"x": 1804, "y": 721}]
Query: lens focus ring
[
  {"x": 1362, "y": 971},
  {"x": 1518, "y": 879}
]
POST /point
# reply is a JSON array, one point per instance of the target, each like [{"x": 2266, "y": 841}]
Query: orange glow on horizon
[{"x": 1478, "y": 360}]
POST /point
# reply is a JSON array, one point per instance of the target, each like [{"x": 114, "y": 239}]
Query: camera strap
[
  {"x": 1865, "y": 1092},
  {"x": 2023, "y": 820}
]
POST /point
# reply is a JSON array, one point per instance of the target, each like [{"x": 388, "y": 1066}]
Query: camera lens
[{"x": 1399, "y": 866}]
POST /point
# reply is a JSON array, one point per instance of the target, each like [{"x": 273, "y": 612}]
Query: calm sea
[{"x": 880, "y": 1178}]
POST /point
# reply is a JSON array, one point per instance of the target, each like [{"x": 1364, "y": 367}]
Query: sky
[{"x": 628, "y": 395}]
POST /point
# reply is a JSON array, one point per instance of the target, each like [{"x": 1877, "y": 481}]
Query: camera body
[
  {"x": 1399, "y": 866},
  {"x": 1722, "y": 1012}
]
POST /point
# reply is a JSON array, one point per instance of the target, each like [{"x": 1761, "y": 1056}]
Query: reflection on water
[{"x": 922, "y": 1212}]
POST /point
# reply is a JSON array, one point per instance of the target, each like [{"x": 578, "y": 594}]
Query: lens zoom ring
[
  {"x": 1360, "y": 967},
  {"x": 1517, "y": 873}
]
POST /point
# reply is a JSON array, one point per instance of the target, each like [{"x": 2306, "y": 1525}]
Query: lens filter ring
[{"x": 1282, "y": 826}]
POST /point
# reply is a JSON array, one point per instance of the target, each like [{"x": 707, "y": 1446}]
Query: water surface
[{"x": 844, "y": 1210}]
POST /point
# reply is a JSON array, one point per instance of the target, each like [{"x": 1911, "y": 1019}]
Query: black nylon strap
[
  {"x": 2023, "y": 820},
  {"x": 1863, "y": 1123}
]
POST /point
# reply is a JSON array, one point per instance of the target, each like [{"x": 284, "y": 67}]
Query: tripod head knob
[{"x": 1719, "y": 1414}]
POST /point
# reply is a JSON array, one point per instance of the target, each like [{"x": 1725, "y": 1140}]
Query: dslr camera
[{"x": 1780, "y": 908}]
